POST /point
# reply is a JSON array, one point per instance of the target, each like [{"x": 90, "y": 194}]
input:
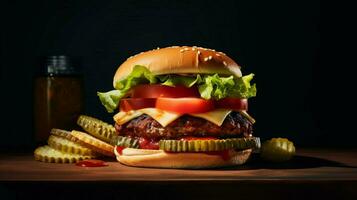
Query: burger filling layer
[{"x": 149, "y": 131}]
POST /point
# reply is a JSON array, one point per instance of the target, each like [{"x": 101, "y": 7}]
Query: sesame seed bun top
[{"x": 180, "y": 60}]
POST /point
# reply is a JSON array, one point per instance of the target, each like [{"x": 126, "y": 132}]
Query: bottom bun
[{"x": 162, "y": 159}]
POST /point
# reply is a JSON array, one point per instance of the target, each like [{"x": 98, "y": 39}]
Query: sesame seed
[
  {"x": 186, "y": 49},
  {"x": 209, "y": 57},
  {"x": 225, "y": 63},
  {"x": 205, "y": 59},
  {"x": 198, "y": 52},
  {"x": 158, "y": 48},
  {"x": 181, "y": 50},
  {"x": 218, "y": 55}
]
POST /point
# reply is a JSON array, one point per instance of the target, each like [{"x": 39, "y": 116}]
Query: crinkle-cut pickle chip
[
  {"x": 93, "y": 143},
  {"x": 277, "y": 150},
  {"x": 124, "y": 142},
  {"x": 50, "y": 155},
  {"x": 67, "y": 146},
  {"x": 209, "y": 145},
  {"x": 96, "y": 127},
  {"x": 63, "y": 134}
]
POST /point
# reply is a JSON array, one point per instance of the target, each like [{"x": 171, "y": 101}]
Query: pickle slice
[
  {"x": 63, "y": 134},
  {"x": 96, "y": 127},
  {"x": 209, "y": 145},
  {"x": 93, "y": 143},
  {"x": 124, "y": 142},
  {"x": 277, "y": 150},
  {"x": 67, "y": 146},
  {"x": 50, "y": 155}
]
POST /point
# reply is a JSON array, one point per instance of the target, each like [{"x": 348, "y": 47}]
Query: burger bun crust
[
  {"x": 162, "y": 159},
  {"x": 180, "y": 60}
]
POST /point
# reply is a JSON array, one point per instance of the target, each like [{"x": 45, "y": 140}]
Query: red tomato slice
[
  {"x": 136, "y": 103},
  {"x": 157, "y": 90},
  {"x": 184, "y": 105},
  {"x": 232, "y": 103}
]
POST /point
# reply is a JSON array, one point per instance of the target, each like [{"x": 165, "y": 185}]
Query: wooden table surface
[
  {"x": 308, "y": 165},
  {"x": 333, "y": 170}
]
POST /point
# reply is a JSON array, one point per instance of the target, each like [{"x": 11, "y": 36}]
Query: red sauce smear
[
  {"x": 91, "y": 163},
  {"x": 119, "y": 149},
  {"x": 145, "y": 143}
]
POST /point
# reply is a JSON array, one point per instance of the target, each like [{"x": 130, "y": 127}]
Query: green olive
[{"x": 277, "y": 150}]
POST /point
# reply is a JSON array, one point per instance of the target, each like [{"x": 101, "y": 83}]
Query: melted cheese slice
[
  {"x": 123, "y": 117},
  {"x": 164, "y": 117},
  {"x": 215, "y": 116}
]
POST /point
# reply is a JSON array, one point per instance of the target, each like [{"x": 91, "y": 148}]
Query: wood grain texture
[{"x": 307, "y": 166}]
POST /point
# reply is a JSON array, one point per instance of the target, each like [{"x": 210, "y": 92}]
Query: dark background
[{"x": 299, "y": 96}]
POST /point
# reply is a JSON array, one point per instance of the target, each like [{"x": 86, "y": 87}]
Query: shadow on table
[{"x": 298, "y": 162}]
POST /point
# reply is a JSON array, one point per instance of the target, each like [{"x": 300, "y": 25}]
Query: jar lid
[{"x": 59, "y": 65}]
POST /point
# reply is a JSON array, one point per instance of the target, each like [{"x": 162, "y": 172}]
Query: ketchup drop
[{"x": 91, "y": 163}]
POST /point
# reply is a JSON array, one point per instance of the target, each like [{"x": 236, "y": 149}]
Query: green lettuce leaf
[
  {"x": 216, "y": 87},
  {"x": 139, "y": 75},
  {"x": 172, "y": 80},
  {"x": 243, "y": 88},
  {"x": 110, "y": 100},
  {"x": 209, "y": 86}
]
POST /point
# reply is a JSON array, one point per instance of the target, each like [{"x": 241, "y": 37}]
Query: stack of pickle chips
[{"x": 72, "y": 146}]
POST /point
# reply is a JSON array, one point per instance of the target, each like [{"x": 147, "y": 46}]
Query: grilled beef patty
[{"x": 235, "y": 125}]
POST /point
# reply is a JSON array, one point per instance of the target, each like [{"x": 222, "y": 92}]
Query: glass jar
[{"x": 58, "y": 95}]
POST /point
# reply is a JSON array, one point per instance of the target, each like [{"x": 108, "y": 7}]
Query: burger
[{"x": 181, "y": 107}]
